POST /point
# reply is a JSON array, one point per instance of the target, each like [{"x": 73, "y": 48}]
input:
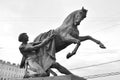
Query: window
[{"x": 1, "y": 79}]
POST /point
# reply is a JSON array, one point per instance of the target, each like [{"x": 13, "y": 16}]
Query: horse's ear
[{"x": 82, "y": 8}]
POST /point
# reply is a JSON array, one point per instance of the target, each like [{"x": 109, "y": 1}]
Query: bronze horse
[{"x": 65, "y": 35}]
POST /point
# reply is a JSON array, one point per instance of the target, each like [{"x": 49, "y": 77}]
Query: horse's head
[
  {"x": 79, "y": 15},
  {"x": 76, "y": 17}
]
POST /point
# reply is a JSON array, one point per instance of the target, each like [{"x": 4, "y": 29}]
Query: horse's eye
[
  {"x": 80, "y": 12},
  {"x": 78, "y": 15}
]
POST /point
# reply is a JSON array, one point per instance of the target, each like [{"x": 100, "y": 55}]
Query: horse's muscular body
[
  {"x": 61, "y": 37},
  {"x": 67, "y": 34}
]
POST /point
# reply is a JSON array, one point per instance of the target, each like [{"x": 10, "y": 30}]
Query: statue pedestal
[{"x": 66, "y": 77}]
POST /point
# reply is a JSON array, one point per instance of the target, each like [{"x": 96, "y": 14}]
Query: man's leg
[
  {"x": 60, "y": 68},
  {"x": 34, "y": 66}
]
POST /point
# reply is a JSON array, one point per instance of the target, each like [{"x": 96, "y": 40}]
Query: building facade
[{"x": 9, "y": 71}]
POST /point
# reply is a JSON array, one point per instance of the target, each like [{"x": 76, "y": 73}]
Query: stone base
[{"x": 66, "y": 77}]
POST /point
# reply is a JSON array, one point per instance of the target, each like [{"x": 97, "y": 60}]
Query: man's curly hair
[{"x": 21, "y": 37}]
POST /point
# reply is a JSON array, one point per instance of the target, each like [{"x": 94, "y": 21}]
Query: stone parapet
[{"x": 66, "y": 77}]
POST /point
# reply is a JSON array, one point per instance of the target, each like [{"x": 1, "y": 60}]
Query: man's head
[{"x": 23, "y": 37}]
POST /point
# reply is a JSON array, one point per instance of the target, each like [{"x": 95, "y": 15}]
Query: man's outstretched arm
[{"x": 45, "y": 41}]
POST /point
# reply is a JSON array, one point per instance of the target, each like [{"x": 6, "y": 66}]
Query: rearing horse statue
[{"x": 65, "y": 35}]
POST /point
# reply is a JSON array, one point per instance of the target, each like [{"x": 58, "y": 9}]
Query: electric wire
[
  {"x": 101, "y": 75},
  {"x": 94, "y": 65}
]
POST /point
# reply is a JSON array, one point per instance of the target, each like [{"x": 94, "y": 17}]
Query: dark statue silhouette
[{"x": 65, "y": 35}]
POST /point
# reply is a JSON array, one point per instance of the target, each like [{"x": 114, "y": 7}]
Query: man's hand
[{"x": 52, "y": 36}]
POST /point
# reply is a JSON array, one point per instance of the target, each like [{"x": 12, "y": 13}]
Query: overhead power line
[
  {"x": 102, "y": 75},
  {"x": 95, "y": 65},
  {"x": 106, "y": 28}
]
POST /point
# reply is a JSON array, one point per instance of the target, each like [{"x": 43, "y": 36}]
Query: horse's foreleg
[
  {"x": 71, "y": 39},
  {"x": 84, "y": 38},
  {"x": 73, "y": 52}
]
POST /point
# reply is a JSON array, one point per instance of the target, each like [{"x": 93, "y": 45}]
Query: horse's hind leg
[
  {"x": 84, "y": 38},
  {"x": 60, "y": 68}
]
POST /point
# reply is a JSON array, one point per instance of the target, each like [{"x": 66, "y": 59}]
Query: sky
[{"x": 38, "y": 16}]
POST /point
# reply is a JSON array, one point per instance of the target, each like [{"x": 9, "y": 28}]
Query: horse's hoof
[
  {"x": 102, "y": 46},
  {"x": 68, "y": 55}
]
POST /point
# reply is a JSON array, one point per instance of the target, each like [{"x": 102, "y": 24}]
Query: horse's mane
[{"x": 70, "y": 18}]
